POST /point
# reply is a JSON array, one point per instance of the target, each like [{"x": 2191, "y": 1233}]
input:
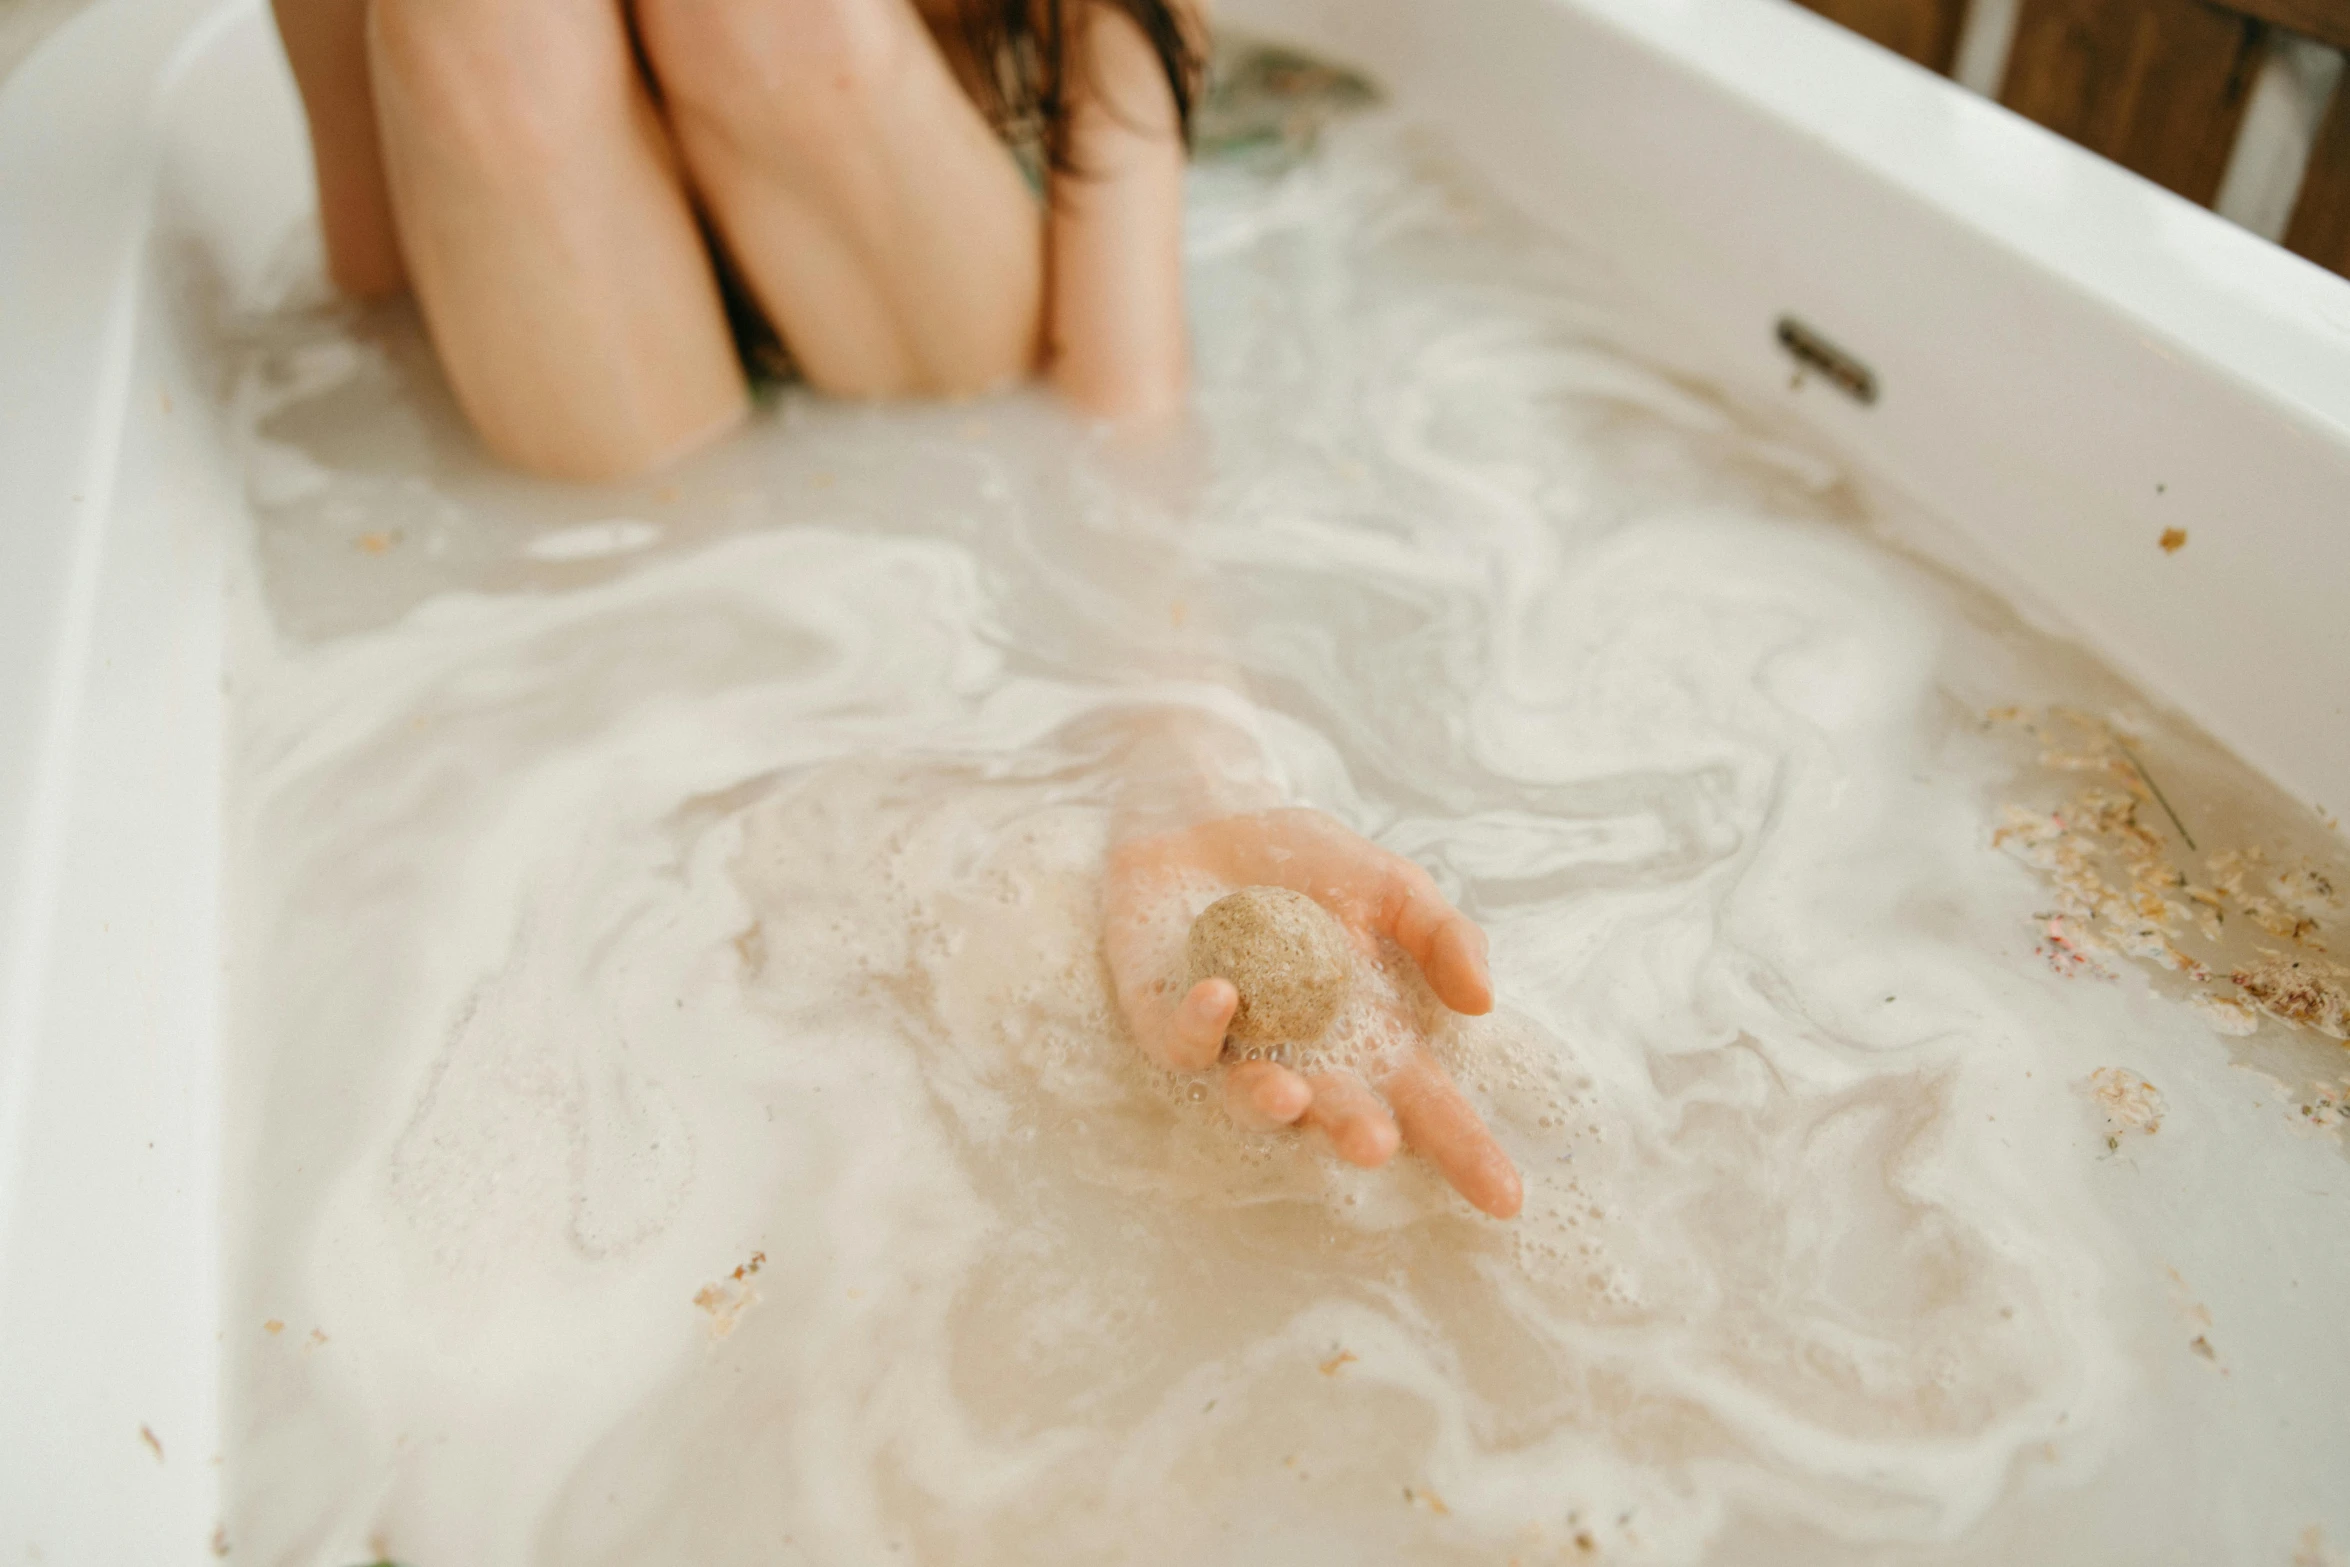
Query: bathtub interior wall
[
  {"x": 2067, "y": 421},
  {"x": 2071, "y": 360},
  {"x": 109, "y": 1229}
]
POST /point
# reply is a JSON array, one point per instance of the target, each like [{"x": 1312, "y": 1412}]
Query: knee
[
  {"x": 508, "y": 85},
  {"x": 755, "y": 61}
]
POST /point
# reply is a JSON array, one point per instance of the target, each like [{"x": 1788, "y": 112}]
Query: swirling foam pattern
[{"x": 613, "y": 920}]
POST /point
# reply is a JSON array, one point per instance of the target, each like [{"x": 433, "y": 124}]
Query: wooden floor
[{"x": 2159, "y": 86}]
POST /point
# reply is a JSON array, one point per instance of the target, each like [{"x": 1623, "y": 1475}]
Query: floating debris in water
[
  {"x": 730, "y": 1297},
  {"x": 2131, "y": 1104},
  {"x": 2225, "y": 1014},
  {"x": 2122, "y": 893},
  {"x": 2327, "y": 1108},
  {"x": 2306, "y": 990}
]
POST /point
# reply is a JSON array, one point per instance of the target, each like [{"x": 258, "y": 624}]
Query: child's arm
[
  {"x": 326, "y": 43},
  {"x": 1114, "y": 328}
]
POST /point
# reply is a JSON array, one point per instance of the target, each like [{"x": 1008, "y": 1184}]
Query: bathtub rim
[{"x": 68, "y": 376}]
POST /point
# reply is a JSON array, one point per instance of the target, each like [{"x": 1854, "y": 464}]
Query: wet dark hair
[{"x": 1022, "y": 50}]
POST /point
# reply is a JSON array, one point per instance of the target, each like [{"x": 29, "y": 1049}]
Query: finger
[
  {"x": 1191, "y": 1032},
  {"x": 1351, "y": 1116},
  {"x": 1441, "y": 1124},
  {"x": 1265, "y": 1095},
  {"x": 1446, "y": 943}
]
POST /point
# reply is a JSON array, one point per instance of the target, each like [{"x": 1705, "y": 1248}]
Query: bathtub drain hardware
[{"x": 1815, "y": 352}]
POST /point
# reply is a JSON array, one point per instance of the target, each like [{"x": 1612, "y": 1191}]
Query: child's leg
[
  {"x": 880, "y": 220},
  {"x": 548, "y": 235}
]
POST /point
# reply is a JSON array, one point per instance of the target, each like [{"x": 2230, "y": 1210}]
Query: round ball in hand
[{"x": 1290, "y": 960}]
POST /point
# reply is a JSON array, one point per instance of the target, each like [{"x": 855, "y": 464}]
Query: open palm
[{"x": 1405, "y": 1096}]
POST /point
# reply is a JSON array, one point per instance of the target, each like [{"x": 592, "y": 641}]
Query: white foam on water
[
  {"x": 679, "y": 1114},
  {"x": 594, "y": 540}
]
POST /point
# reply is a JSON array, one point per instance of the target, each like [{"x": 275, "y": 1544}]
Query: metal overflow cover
[{"x": 1816, "y": 352}]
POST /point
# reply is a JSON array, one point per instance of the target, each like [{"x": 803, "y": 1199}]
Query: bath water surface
[{"x": 678, "y": 1115}]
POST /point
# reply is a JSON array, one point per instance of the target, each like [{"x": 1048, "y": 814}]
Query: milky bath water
[{"x": 677, "y": 1113}]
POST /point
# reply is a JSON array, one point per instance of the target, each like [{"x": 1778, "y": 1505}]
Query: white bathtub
[{"x": 2069, "y": 363}]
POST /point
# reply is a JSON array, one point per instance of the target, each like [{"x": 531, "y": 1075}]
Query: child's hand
[{"x": 1409, "y": 1097}]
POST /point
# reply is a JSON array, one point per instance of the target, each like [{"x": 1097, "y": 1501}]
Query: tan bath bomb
[{"x": 1290, "y": 961}]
